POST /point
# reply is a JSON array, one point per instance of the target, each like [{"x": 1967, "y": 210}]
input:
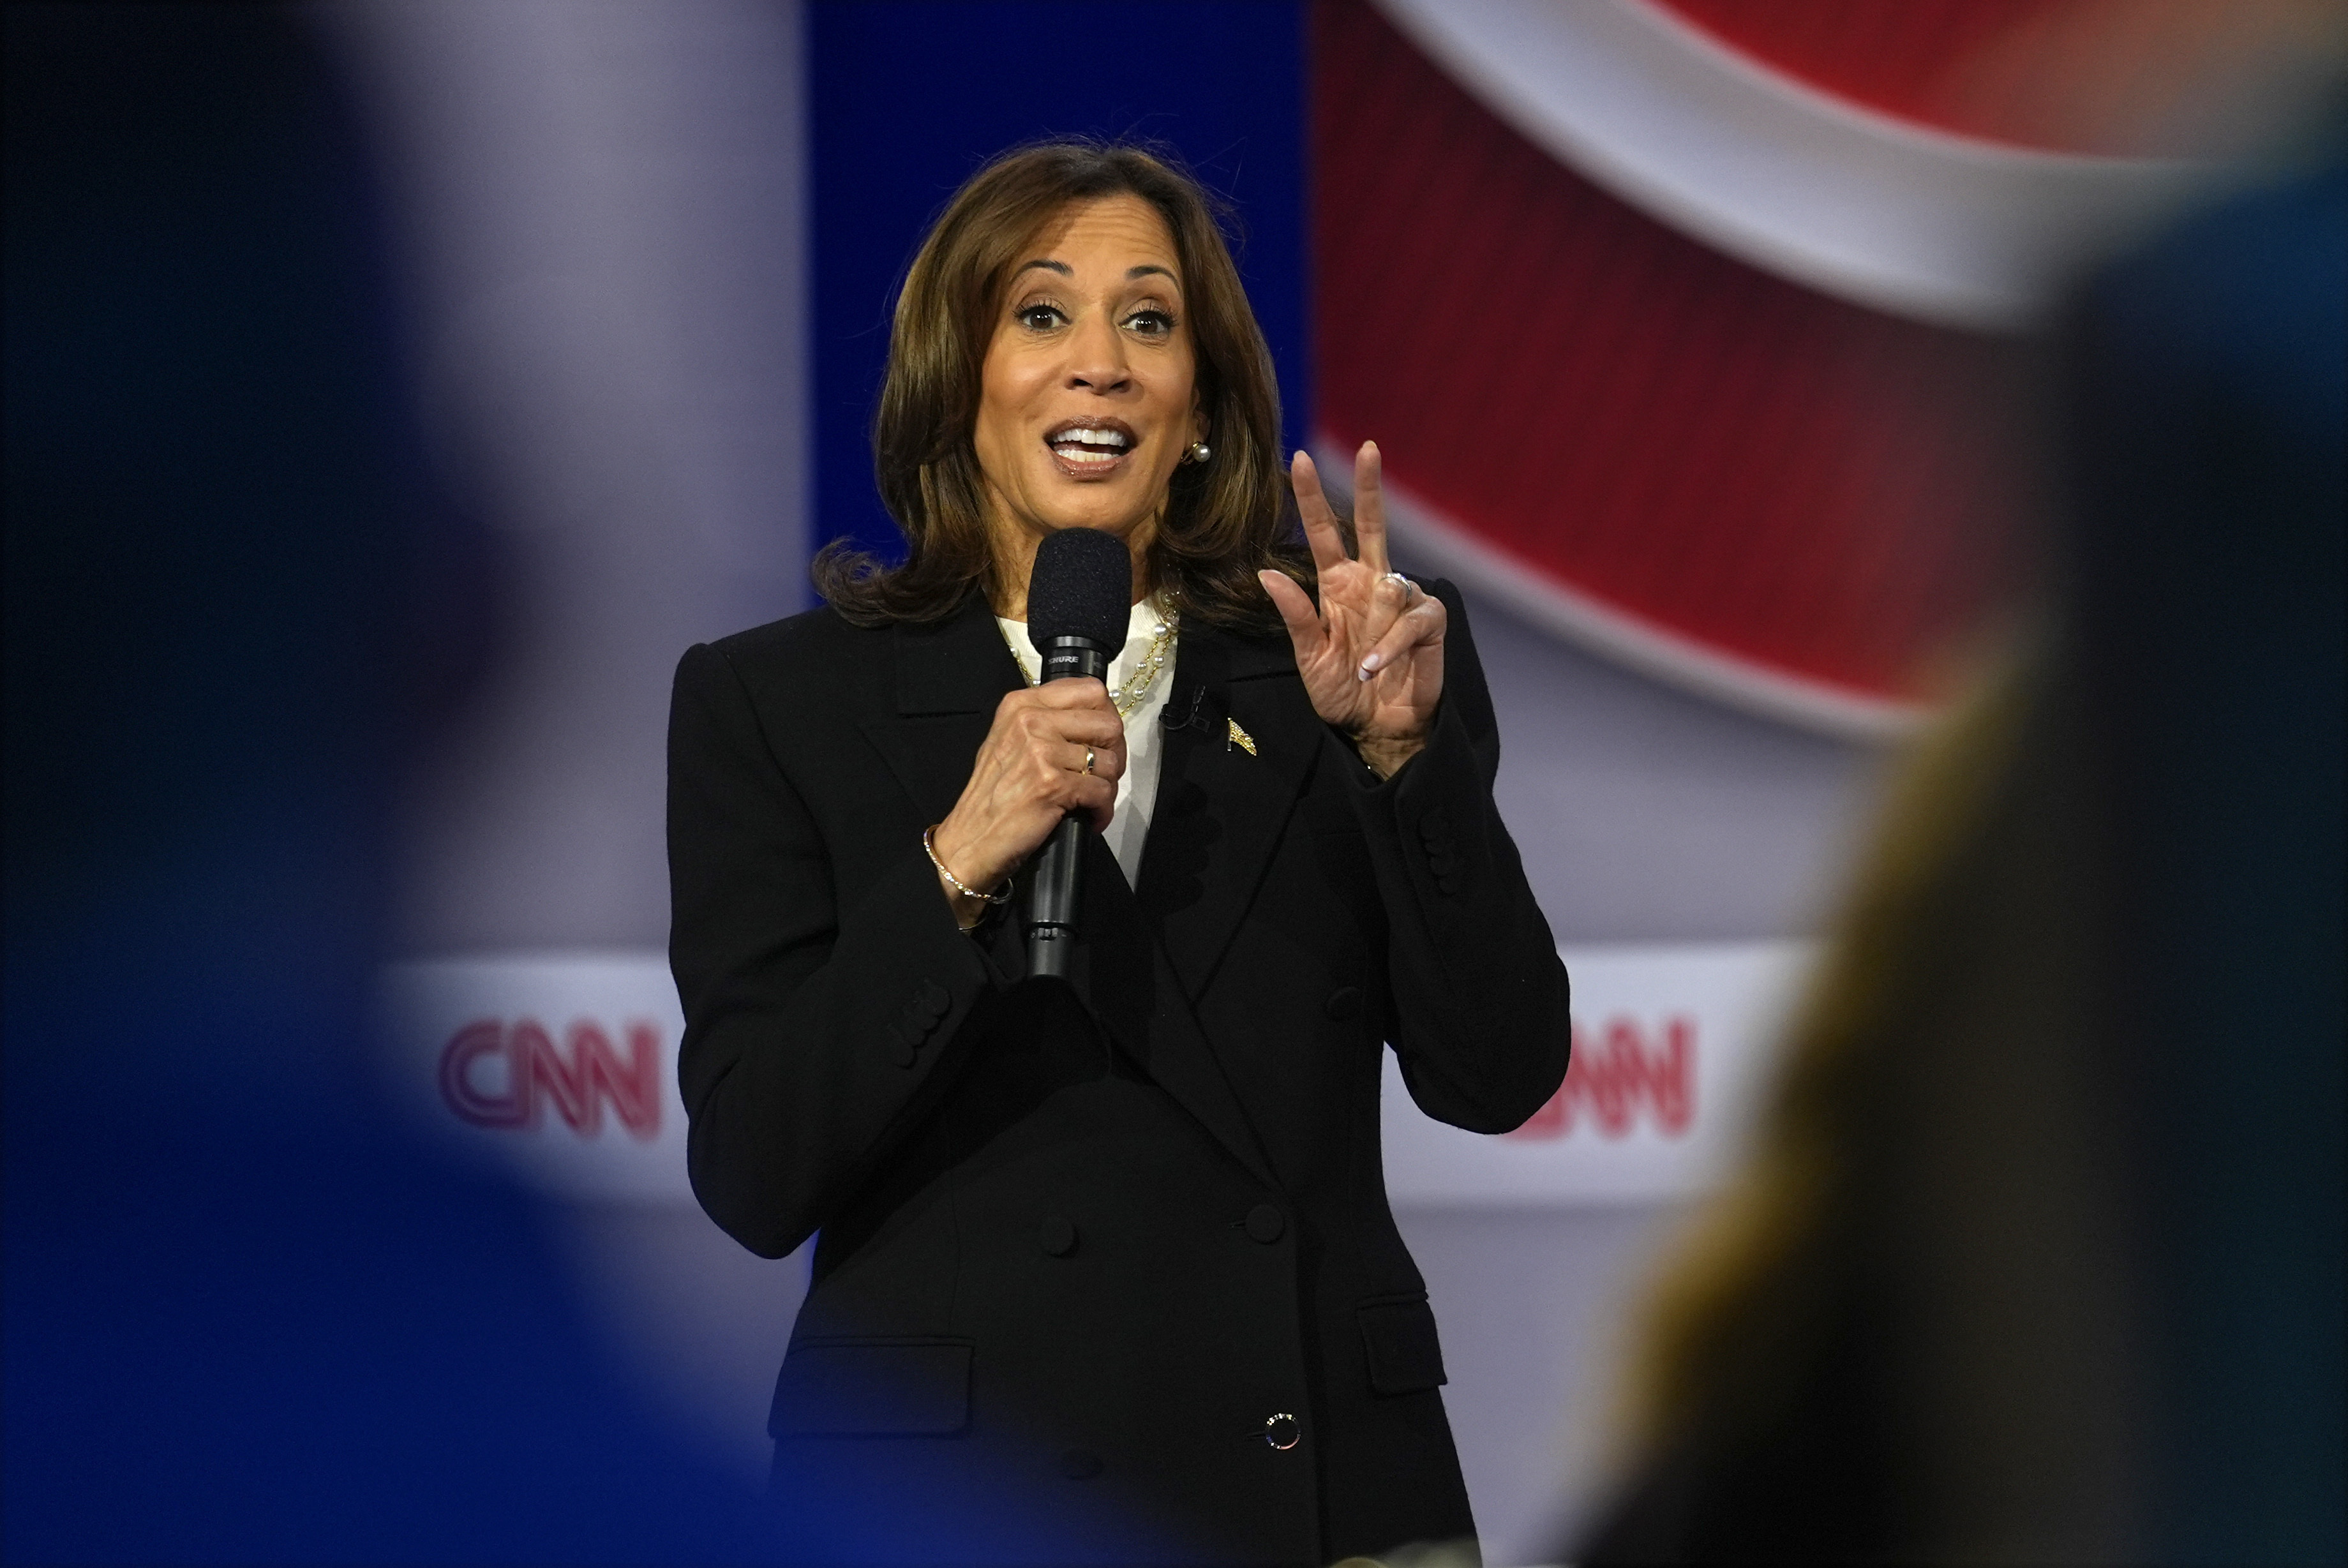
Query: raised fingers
[
  {"x": 1321, "y": 530},
  {"x": 1370, "y": 507},
  {"x": 1296, "y": 612}
]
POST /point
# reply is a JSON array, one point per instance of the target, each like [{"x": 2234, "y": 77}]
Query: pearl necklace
[{"x": 1128, "y": 697}]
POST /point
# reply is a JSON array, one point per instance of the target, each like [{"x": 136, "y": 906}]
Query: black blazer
[{"x": 1107, "y": 1270}]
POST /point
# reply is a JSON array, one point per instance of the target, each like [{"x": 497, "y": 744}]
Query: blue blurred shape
[{"x": 245, "y": 1321}]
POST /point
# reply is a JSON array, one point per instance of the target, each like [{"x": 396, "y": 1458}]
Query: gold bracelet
[{"x": 953, "y": 880}]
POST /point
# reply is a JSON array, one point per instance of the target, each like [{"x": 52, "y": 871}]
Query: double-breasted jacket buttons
[
  {"x": 1282, "y": 1430},
  {"x": 919, "y": 1019},
  {"x": 1266, "y": 1225},
  {"x": 1057, "y": 1235}
]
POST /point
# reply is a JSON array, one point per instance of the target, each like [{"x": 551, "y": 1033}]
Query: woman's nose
[{"x": 1096, "y": 355}]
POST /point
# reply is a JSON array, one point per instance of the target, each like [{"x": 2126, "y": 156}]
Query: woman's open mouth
[{"x": 1091, "y": 448}]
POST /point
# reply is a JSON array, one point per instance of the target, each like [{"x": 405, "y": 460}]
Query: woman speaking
[{"x": 1107, "y": 1270}]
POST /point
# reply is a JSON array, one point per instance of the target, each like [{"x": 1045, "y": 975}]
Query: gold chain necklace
[{"x": 1128, "y": 697}]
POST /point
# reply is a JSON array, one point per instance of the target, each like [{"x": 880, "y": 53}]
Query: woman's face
[{"x": 1087, "y": 398}]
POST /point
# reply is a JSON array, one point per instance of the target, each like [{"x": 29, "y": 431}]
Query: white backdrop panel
[{"x": 563, "y": 1066}]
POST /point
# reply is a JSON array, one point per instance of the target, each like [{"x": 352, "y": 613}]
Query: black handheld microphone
[{"x": 1079, "y": 598}]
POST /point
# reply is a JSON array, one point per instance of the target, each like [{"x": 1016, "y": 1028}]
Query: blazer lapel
[
  {"x": 1132, "y": 991},
  {"x": 1221, "y": 809},
  {"x": 948, "y": 679}
]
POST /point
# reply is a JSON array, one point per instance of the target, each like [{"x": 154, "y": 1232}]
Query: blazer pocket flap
[
  {"x": 872, "y": 1388},
  {"x": 1399, "y": 1337}
]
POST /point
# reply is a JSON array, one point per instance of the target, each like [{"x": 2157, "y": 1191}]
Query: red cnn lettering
[
  {"x": 1609, "y": 1078},
  {"x": 536, "y": 1072},
  {"x": 482, "y": 1037}
]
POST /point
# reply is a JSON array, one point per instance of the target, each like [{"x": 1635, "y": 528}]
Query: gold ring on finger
[{"x": 1088, "y": 760}]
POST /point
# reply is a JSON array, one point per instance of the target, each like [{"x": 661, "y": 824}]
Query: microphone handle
[{"x": 1052, "y": 887}]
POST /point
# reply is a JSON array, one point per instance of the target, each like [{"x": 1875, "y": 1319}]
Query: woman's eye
[
  {"x": 1039, "y": 317},
  {"x": 1151, "y": 323}
]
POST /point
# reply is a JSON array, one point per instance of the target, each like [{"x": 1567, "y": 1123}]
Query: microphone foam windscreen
[{"x": 1082, "y": 587}]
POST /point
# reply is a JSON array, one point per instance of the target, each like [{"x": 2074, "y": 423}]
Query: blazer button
[
  {"x": 1282, "y": 1431},
  {"x": 1080, "y": 1464},
  {"x": 1266, "y": 1225},
  {"x": 1344, "y": 1002},
  {"x": 1058, "y": 1235}
]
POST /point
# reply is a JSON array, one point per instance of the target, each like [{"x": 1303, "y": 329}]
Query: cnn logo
[
  {"x": 1611, "y": 1076},
  {"x": 496, "y": 1076}
]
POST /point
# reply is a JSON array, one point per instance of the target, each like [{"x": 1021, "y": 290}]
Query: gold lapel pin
[{"x": 1238, "y": 738}]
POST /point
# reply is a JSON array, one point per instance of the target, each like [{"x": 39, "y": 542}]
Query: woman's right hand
[{"x": 1029, "y": 774}]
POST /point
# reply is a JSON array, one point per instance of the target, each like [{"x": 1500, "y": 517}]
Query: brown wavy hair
[{"x": 1226, "y": 518}]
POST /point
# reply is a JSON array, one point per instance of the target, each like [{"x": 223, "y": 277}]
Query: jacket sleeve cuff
[
  {"x": 1430, "y": 814},
  {"x": 937, "y": 972}
]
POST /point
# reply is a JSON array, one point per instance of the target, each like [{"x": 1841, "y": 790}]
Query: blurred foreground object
[
  {"x": 2040, "y": 1258},
  {"x": 244, "y": 1320}
]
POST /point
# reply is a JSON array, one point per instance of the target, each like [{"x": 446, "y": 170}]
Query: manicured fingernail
[{"x": 1369, "y": 667}]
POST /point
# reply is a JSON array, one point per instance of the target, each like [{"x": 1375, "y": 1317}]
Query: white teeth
[{"x": 1085, "y": 436}]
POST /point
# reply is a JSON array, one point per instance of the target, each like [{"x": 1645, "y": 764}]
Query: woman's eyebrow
[{"x": 1145, "y": 270}]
